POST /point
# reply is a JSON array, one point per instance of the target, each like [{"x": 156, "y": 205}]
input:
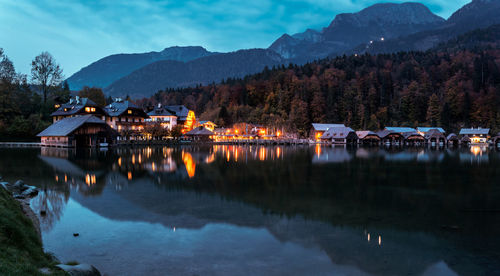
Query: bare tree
[{"x": 45, "y": 72}]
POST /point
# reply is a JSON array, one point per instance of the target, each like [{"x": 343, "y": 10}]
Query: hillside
[
  {"x": 156, "y": 76},
  {"x": 111, "y": 68}
]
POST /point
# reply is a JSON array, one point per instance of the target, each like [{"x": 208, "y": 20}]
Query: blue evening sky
[{"x": 78, "y": 32}]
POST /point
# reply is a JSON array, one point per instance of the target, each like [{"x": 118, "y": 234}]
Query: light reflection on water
[{"x": 254, "y": 209}]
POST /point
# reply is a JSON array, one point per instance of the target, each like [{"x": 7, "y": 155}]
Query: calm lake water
[{"x": 241, "y": 210}]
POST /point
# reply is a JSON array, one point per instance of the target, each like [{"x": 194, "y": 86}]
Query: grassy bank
[{"x": 21, "y": 251}]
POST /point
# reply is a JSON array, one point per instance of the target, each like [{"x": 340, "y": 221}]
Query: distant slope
[
  {"x": 149, "y": 79},
  {"x": 111, "y": 68},
  {"x": 477, "y": 14},
  {"x": 348, "y": 30},
  {"x": 479, "y": 39}
]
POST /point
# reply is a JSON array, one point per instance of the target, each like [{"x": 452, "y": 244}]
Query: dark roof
[
  {"x": 74, "y": 106},
  {"x": 433, "y": 133},
  {"x": 427, "y": 129},
  {"x": 118, "y": 107},
  {"x": 66, "y": 126},
  {"x": 161, "y": 111},
  {"x": 452, "y": 136},
  {"x": 474, "y": 131},
  {"x": 325, "y": 127},
  {"x": 363, "y": 133},
  {"x": 179, "y": 111},
  {"x": 385, "y": 132},
  {"x": 337, "y": 132},
  {"x": 199, "y": 131},
  {"x": 407, "y": 135}
]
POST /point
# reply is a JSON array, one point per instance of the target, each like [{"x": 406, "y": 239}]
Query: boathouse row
[
  {"x": 434, "y": 136},
  {"x": 124, "y": 119}
]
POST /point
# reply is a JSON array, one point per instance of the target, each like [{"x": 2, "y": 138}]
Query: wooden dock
[{"x": 20, "y": 144}]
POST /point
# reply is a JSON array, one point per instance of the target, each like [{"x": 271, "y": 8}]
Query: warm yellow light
[
  {"x": 92, "y": 109},
  {"x": 65, "y": 178},
  {"x": 120, "y": 161},
  {"x": 236, "y": 131},
  {"x": 129, "y": 111},
  {"x": 57, "y": 105},
  {"x": 278, "y": 134},
  {"x": 57, "y": 178},
  {"x": 189, "y": 163},
  {"x": 153, "y": 166},
  {"x": 87, "y": 109},
  {"x": 262, "y": 132},
  {"x": 129, "y": 175},
  {"x": 87, "y": 179},
  {"x": 133, "y": 159}
]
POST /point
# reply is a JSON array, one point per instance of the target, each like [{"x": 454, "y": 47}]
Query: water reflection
[{"x": 370, "y": 210}]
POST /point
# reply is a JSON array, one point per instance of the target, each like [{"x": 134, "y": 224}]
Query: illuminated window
[
  {"x": 65, "y": 109},
  {"x": 92, "y": 109},
  {"x": 87, "y": 109},
  {"x": 129, "y": 111},
  {"x": 57, "y": 105}
]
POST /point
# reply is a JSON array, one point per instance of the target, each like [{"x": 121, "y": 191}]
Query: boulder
[{"x": 80, "y": 270}]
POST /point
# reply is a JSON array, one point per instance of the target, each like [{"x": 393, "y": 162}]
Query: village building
[
  {"x": 162, "y": 115},
  {"x": 391, "y": 137},
  {"x": 496, "y": 140},
  {"x": 125, "y": 117},
  {"x": 185, "y": 117},
  {"x": 199, "y": 134},
  {"x": 207, "y": 124},
  {"x": 319, "y": 129},
  {"x": 367, "y": 137},
  {"x": 435, "y": 137},
  {"x": 452, "y": 139},
  {"x": 340, "y": 135},
  {"x": 77, "y": 106},
  {"x": 78, "y": 131},
  {"x": 413, "y": 138},
  {"x": 475, "y": 135}
]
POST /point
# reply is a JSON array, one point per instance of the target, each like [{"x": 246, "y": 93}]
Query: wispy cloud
[{"x": 79, "y": 32}]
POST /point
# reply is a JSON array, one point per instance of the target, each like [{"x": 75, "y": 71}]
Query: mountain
[
  {"x": 167, "y": 73},
  {"x": 347, "y": 30},
  {"x": 476, "y": 14},
  {"x": 111, "y": 68}
]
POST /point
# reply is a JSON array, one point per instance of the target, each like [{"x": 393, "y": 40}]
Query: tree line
[{"x": 433, "y": 88}]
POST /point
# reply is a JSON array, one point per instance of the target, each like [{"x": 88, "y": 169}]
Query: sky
[{"x": 79, "y": 32}]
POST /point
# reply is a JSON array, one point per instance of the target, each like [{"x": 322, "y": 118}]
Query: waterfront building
[
  {"x": 200, "y": 134},
  {"x": 391, "y": 137},
  {"x": 368, "y": 137},
  {"x": 125, "y": 117},
  {"x": 207, "y": 124},
  {"x": 434, "y": 137},
  {"x": 77, "y": 131},
  {"x": 413, "y": 138},
  {"x": 424, "y": 130},
  {"x": 452, "y": 139},
  {"x": 340, "y": 135},
  {"x": 401, "y": 130},
  {"x": 185, "y": 117},
  {"x": 164, "y": 116},
  {"x": 78, "y": 106},
  {"x": 319, "y": 129},
  {"x": 475, "y": 135}
]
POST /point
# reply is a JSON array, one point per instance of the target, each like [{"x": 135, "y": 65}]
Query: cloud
[{"x": 79, "y": 32}]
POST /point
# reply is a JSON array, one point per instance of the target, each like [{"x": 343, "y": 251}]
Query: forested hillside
[{"x": 365, "y": 92}]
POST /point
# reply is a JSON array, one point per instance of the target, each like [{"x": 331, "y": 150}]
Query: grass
[{"x": 21, "y": 251}]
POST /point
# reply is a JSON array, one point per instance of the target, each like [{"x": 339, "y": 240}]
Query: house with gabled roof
[
  {"x": 78, "y": 131},
  {"x": 318, "y": 129},
  {"x": 164, "y": 116},
  {"x": 474, "y": 135},
  {"x": 368, "y": 137},
  {"x": 340, "y": 135},
  {"x": 125, "y": 116},
  {"x": 78, "y": 106}
]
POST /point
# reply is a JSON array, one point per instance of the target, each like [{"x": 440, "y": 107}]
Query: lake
[{"x": 276, "y": 210}]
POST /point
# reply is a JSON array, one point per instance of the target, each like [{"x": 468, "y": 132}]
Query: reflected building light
[
  {"x": 153, "y": 166},
  {"x": 140, "y": 158},
  {"x": 174, "y": 228},
  {"x": 92, "y": 179},
  {"x": 57, "y": 178},
  {"x": 278, "y": 152},
  {"x": 129, "y": 175},
  {"x": 236, "y": 155},
  {"x": 262, "y": 154},
  {"x": 368, "y": 237},
  {"x": 379, "y": 240},
  {"x": 187, "y": 158},
  {"x": 87, "y": 179},
  {"x": 133, "y": 158},
  {"x": 228, "y": 156},
  {"x": 318, "y": 150},
  {"x": 65, "y": 178},
  {"x": 120, "y": 161}
]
